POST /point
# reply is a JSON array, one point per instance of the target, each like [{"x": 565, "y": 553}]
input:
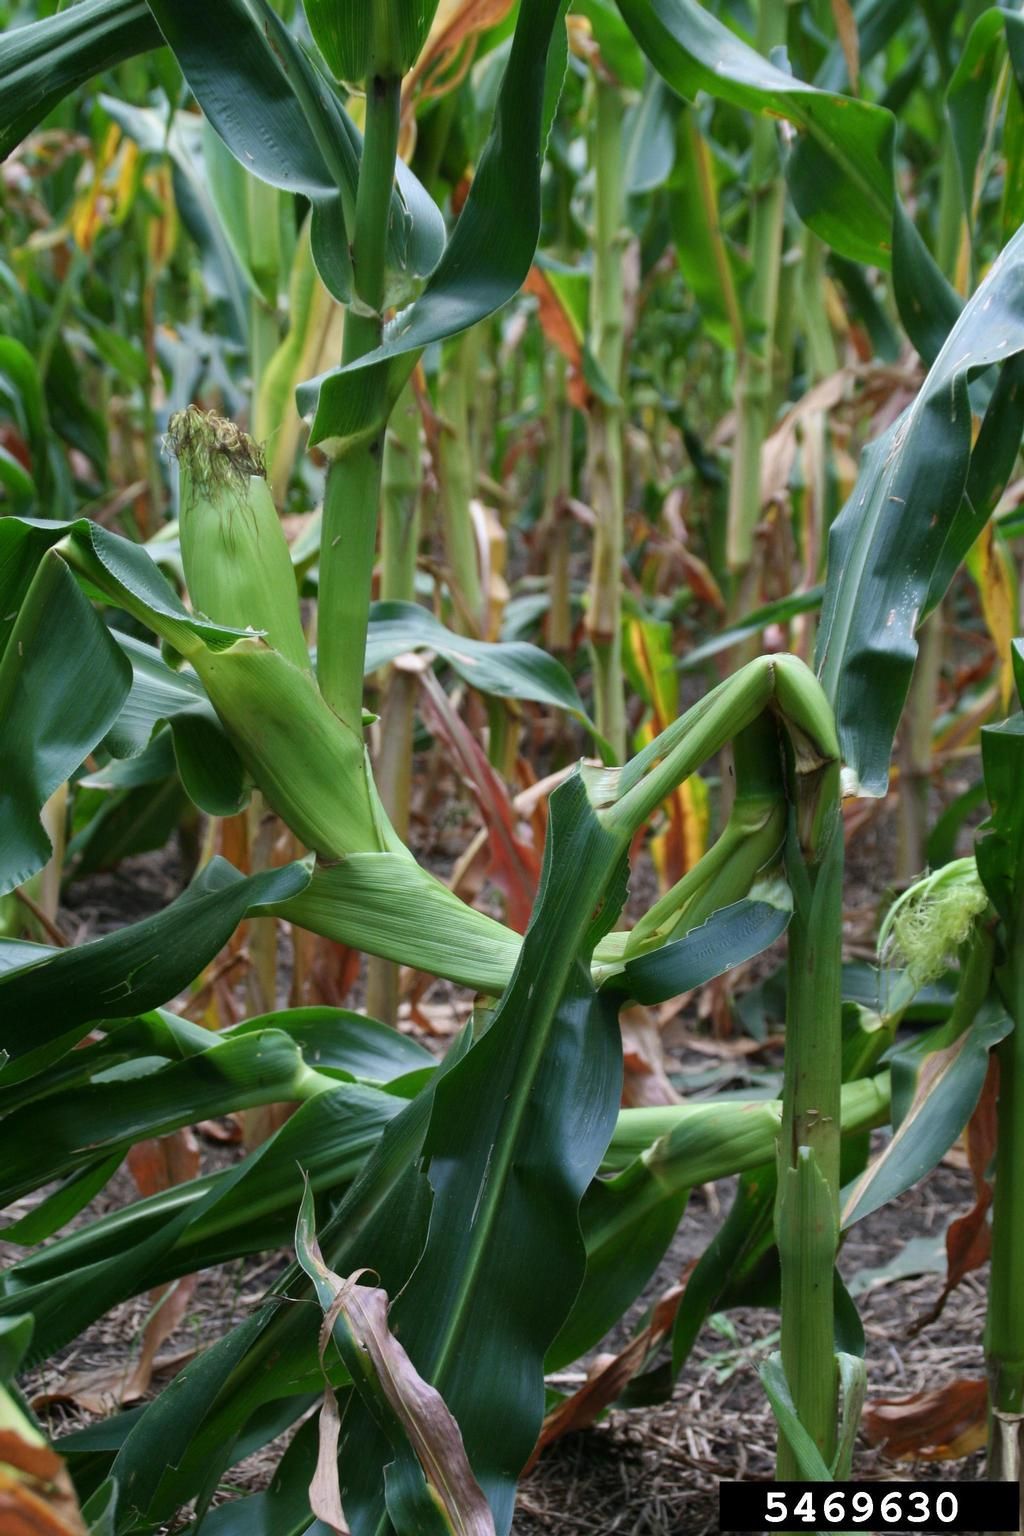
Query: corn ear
[
  {"x": 237, "y": 566},
  {"x": 310, "y": 768}
]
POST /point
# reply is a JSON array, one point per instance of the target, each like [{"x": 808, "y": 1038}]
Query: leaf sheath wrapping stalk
[{"x": 309, "y": 765}]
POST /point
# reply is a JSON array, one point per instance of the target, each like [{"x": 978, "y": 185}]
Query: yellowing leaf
[{"x": 992, "y": 571}]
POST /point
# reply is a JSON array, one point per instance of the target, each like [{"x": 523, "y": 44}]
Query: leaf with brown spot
[{"x": 941, "y": 1425}]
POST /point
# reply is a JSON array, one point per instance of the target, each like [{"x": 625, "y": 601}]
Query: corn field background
[{"x": 511, "y": 759}]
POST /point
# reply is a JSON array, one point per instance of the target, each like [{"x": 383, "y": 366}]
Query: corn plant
[{"x": 505, "y": 1208}]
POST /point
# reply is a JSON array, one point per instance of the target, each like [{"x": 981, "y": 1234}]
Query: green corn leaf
[
  {"x": 335, "y": 1040},
  {"x": 508, "y": 670},
  {"x": 345, "y": 1045},
  {"x": 211, "y": 1220},
  {"x": 43, "y": 62},
  {"x": 127, "y": 567},
  {"x": 48, "y": 1005},
  {"x": 132, "y": 1103},
  {"x": 650, "y": 138},
  {"x": 62, "y": 1311},
  {"x": 254, "y": 216},
  {"x": 16, "y": 481},
  {"x": 23, "y": 389},
  {"x": 282, "y": 120},
  {"x": 360, "y": 38},
  {"x": 840, "y": 169},
  {"x": 284, "y": 1509},
  {"x": 538, "y": 1091},
  {"x": 776, "y": 1386},
  {"x": 739, "y": 1240},
  {"x": 731, "y": 936},
  {"x": 778, "y": 612},
  {"x": 100, "y": 1509},
  {"x": 129, "y": 821},
  {"x": 490, "y": 250},
  {"x": 889, "y": 540},
  {"x": 940, "y": 1087},
  {"x": 210, "y": 768},
  {"x": 15, "y": 1338},
  {"x": 65, "y": 1202},
  {"x": 378, "y": 902},
  {"x": 62, "y": 684}
]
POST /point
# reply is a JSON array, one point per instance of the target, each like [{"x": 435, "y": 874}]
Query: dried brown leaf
[
  {"x": 849, "y": 41},
  {"x": 432, "y": 1430},
  {"x": 645, "y": 1081},
  {"x": 324, "y": 1491},
  {"x": 941, "y": 1425},
  {"x": 609, "y": 1376},
  {"x": 514, "y": 860},
  {"x": 36, "y": 1495},
  {"x": 969, "y": 1238}
]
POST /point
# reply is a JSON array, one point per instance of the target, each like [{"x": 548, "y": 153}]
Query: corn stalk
[
  {"x": 604, "y": 446},
  {"x": 754, "y": 383},
  {"x": 352, "y": 493},
  {"x": 399, "y": 542}
]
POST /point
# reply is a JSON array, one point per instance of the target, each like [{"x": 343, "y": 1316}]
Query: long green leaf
[
  {"x": 517, "y": 1130},
  {"x": 48, "y": 1005},
  {"x": 43, "y": 62},
  {"x": 942, "y": 1087},
  {"x": 62, "y": 683},
  {"x": 210, "y": 1220},
  {"x": 889, "y": 539},
  {"x": 210, "y": 768},
  {"x": 509, "y": 670},
  {"x": 731, "y": 936},
  {"x": 142, "y": 1099},
  {"x": 282, "y": 119}
]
